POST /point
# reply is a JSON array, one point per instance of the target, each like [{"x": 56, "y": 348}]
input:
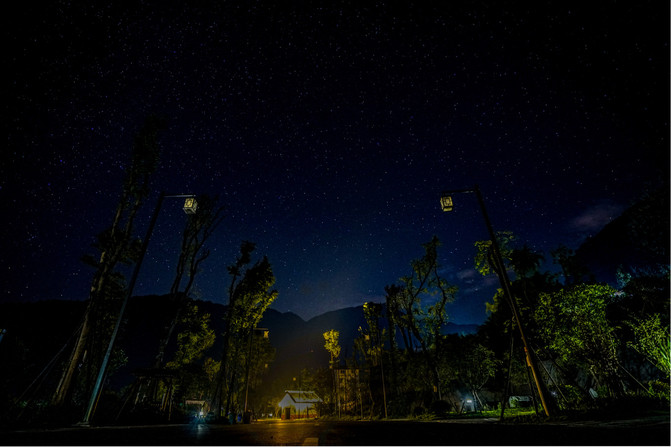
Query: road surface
[{"x": 651, "y": 431}]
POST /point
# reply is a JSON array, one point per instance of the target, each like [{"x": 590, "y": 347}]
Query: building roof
[{"x": 303, "y": 397}]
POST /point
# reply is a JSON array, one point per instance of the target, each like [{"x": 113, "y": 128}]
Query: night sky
[{"x": 329, "y": 133}]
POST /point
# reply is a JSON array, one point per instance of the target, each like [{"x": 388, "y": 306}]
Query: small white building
[{"x": 299, "y": 404}]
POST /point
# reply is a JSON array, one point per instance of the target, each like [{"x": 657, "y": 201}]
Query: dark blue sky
[{"x": 329, "y": 133}]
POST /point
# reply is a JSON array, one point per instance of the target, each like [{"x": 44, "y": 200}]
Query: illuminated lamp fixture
[
  {"x": 190, "y": 205},
  {"x": 446, "y": 203}
]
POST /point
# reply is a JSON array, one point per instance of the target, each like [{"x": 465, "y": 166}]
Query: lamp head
[
  {"x": 446, "y": 203},
  {"x": 190, "y": 205}
]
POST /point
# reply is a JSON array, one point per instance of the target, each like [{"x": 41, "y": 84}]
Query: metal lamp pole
[
  {"x": 447, "y": 205},
  {"x": 189, "y": 208}
]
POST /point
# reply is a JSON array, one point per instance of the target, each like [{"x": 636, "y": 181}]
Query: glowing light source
[
  {"x": 190, "y": 205},
  {"x": 446, "y": 203}
]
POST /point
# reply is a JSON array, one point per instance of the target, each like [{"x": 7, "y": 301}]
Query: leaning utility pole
[
  {"x": 116, "y": 246},
  {"x": 447, "y": 205}
]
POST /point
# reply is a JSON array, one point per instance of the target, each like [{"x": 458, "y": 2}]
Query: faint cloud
[
  {"x": 471, "y": 281},
  {"x": 487, "y": 285},
  {"x": 596, "y": 217},
  {"x": 467, "y": 274}
]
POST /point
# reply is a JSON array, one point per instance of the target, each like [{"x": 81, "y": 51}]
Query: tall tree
[
  {"x": 573, "y": 270},
  {"x": 116, "y": 245},
  {"x": 424, "y": 322},
  {"x": 396, "y": 316},
  {"x": 525, "y": 262},
  {"x": 648, "y": 222},
  {"x": 390, "y": 292},
  {"x": 641, "y": 312},
  {"x": 261, "y": 354},
  {"x": 485, "y": 261},
  {"x": 194, "y": 337},
  {"x": 475, "y": 365},
  {"x": 332, "y": 346},
  {"x": 250, "y": 294},
  {"x": 574, "y": 326},
  {"x": 254, "y": 295},
  {"x": 373, "y": 313},
  {"x": 199, "y": 227},
  {"x": 652, "y": 340},
  {"x": 521, "y": 303},
  {"x": 235, "y": 270}
]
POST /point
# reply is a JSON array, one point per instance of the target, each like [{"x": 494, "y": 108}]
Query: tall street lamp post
[
  {"x": 447, "y": 204},
  {"x": 190, "y": 207}
]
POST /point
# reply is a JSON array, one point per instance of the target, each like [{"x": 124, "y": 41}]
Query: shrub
[
  {"x": 440, "y": 408},
  {"x": 659, "y": 390},
  {"x": 418, "y": 411},
  {"x": 571, "y": 398}
]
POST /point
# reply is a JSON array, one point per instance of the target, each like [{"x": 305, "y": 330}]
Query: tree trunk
[{"x": 62, "y": 391}]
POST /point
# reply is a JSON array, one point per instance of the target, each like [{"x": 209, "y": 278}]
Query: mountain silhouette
[
  {"x": 37, "y": 332},
  {"x": 637, "y": 239}
]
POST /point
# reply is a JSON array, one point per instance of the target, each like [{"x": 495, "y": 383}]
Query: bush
[
  {"x": 418, "y": 411},
  {"x": 660, "y": 390},
  {"x": 440, "y": 408},
  {"x": 630, "y": 405},
  {"x": 572, "y": 398},
  {"x": 397, "y": 408}
]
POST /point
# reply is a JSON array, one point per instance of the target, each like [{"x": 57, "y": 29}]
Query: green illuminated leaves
[
  {"x": 653, "y": 341},
  {"x": 425, "y": 283},
  {"x": 332, "y": 345},
  {"x": 483, "y": 252},
  {"x": 195, "y": 339},
  {"x": 573, "y": 324},
  {"x": 253, "y": 294}
]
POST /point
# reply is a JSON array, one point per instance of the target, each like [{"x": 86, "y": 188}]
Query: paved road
[{"x": 473, "y": 432}]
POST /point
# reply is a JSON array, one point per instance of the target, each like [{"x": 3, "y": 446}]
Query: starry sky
[{"x": 328, "y": 131}]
